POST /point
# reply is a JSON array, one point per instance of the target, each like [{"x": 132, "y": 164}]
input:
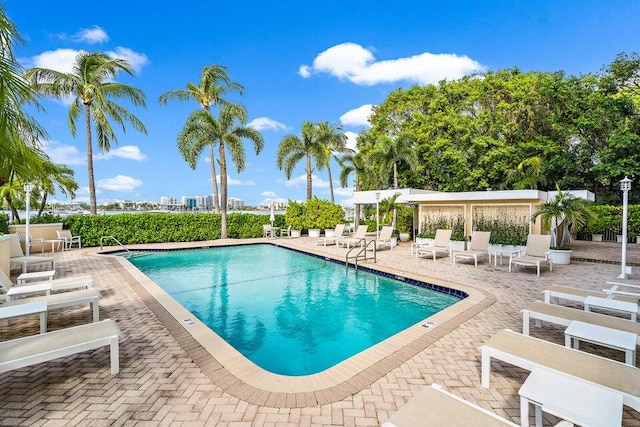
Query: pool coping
[{"x": 236, "y": 375}]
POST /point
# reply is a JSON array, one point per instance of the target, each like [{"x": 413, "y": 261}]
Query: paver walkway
[{"x": 159, "y": 383}]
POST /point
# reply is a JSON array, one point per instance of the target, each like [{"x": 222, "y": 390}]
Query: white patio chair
[
  {"x": 69, "y": 240},
  {"x": 16, "y": 256},
  {"x": 285, "y": 232},
  {"x": 358, "y": 237},
  {"x": 384, "y": 240},
  {"x": 337, "y": 234},
  {"x": 29, "y": 240}
]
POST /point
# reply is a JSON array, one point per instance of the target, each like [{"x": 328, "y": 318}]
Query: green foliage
[
  {"x": 434, "y": 221},
  {"x": 404, "y": 219},
  {"x": 295, "y": 215},
  {"x": 603, "y": 219},
  {"x": 4, "y": 223},
  {"x": 568, "y": 213},
  {"x": 504, "y": 230},
  {"x": 164, "y": 227},
  {"x": 314, "y": 213},
  {"x": 633, "y": 221}
]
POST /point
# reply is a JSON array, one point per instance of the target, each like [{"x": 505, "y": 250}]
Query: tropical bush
[
  {"x": 165, "y": 227},
  {"x": 568, "y": 213},
  {"x": 434, "y": 221},
  {"x": 603, "y": 219},
  {"x": 314, "y": 213},
  {"x": 4, "y": 223},
  {"x": 404, "y": 222}
]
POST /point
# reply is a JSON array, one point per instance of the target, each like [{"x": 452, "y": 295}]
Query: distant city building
[
  {"x": 166, "y": 201},
  {"x": 235, "y": 204}
]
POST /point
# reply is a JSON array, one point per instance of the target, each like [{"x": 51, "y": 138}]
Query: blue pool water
[{"x": 289, "y": 313}]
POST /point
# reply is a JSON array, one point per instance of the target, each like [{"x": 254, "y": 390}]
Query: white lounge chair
[
  {"x": 384, "y": 240},
  {"x": 68, "y": 239},
  {"x": 358, "y": 238},
  {"x": 435, "y": 407},
  {"x": 615, "y": 289},
  {"x": 530, "y": 353},
  {"x": 30, "y": 241},
  {"x": 285, "y": 232},
  {"x": 560, "y": 315},
  {"x": 65, "y": 299},
  {"x": 536, "y": 253},
  {"x": 17, "y": 256},
  {"x": 440, "y": 245},
  {"x": 337, "y": 234},
  {"x": 479, "y": 247},
  {"x": 554, "y": 293},
  {"x": 64, "y": 284},
  {"x": 34, "y": 349}
]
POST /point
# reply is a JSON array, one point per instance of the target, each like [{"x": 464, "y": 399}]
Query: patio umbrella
[{"x": 272, "y": 217}]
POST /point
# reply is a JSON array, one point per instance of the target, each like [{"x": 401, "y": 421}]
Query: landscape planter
[
  {"x": 560, "y": 256},
  {"x": 314, "y": 233},
  {"x": 425, "y": 241},
  {"x": 638, "y": 240},
  {"x": 404, "y": 237},
  {"x": 618, "y": 238},
  {"x": 295, "y": 233},
  {"x": 596, "y": 237},
  {"x": 458, "y": 245},
  {"x": 329, "y": 232}
]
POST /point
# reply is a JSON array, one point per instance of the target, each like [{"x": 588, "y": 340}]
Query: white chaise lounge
[
  {"x": 332, "y": 240},
  {"x": 536, "y": 253},
  {"x": 66, "y": 299},
  {"x": 34, "y": 349},
  {"x": 479, "y": 247},
  {"x": 441, "y": 245},
  {"x": 17, "y": 256},
  {"x": 435, "y": 407},
  {"x": 65, "y": 284},
  {"x": 560, "y": 315},
  {"x": 530, "y": 353},
  {"x": 554, "y": 293}
]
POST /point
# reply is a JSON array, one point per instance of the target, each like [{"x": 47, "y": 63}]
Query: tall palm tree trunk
[
  {"x": 330, "y": 181},
  {"x": 309, "y": 181},
  {"x": 356, "y": 212},
  {"x": 223, "y": 191},
  {"x": 214, "y": 180},
  {"x": 92, "y": 185}
]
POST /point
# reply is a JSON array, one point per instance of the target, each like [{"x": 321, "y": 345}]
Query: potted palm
[
  {"x": 562, "y": 215},
  {"x": 404, "y": 223}
]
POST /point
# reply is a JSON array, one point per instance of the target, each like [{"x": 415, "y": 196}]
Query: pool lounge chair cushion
[
  {"x": 21, "y": 352},
  {"x": 530, "y": 353},
  {"x": 435, "y": 407}
]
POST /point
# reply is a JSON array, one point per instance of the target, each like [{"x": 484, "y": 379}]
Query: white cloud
[
  {"x": 301, "y": 180},
  {"x": 136, "y": 60},
  {"x": 235, "y": 181},
  {"x": 358, "y": 116},
  {"x": 131, "y": 152},
  {"x": 343, "y": 191},
  {"x": 270, "y": 200},
  {"x": 63, "y": 154},
  {"x": 91, "y": 35},
  {"x": 268, "y": 194},
  {"x": 58, "y": 60},
  {"x": 265, "y": 123},
  {"x": 350, "y": 61},
  {"x": 118, "y": 183},
  {"x": 352, "y": 140}
]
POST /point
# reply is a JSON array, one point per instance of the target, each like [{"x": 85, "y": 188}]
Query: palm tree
[
  {"x": 334, "y": 142},
  {"x": 203, "y": 129},
  {"x": 309, "y": 146},
  {"x": 52, "y": 176},
  {"x": 214, "y": 83},
  {"x": 566, "y": 213},
  {"x": 389, "y": 152},
  {"x": 527, "y": 174},
  {"x": 355, "y": 163},
  {"x": 91, "y": 86}
]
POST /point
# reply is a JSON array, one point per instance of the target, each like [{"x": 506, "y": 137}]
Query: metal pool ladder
[
  {"x": 362, "y": 253},
  {"x": 129, "y": 253}
]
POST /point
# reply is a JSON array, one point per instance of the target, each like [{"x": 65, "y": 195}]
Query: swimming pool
[{"x": 289, "y": 313}]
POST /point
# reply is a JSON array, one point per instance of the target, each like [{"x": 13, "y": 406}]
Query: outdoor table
[
  {"x": 570, "y": 398},
  {"x": 36, "y": 275},
  {"x": 39, "y": 307},
  {"x": 607, "y": 337},
  {"x": 502, "y": 252},
  {"x": 53, "y": 242},
  {"x": 23, "y": 290}
]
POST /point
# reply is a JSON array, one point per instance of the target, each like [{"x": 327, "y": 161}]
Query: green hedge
[
  {"x": 609, "y": 218},
  {"x": 165, "y": 227},
  {"x": 4, "y": 223}
]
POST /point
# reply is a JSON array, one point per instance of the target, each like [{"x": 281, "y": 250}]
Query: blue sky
[{"x": 298, "y": 61}]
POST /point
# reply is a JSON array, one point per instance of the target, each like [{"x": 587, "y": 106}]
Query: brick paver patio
[{"x": 163, "y": 382}]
